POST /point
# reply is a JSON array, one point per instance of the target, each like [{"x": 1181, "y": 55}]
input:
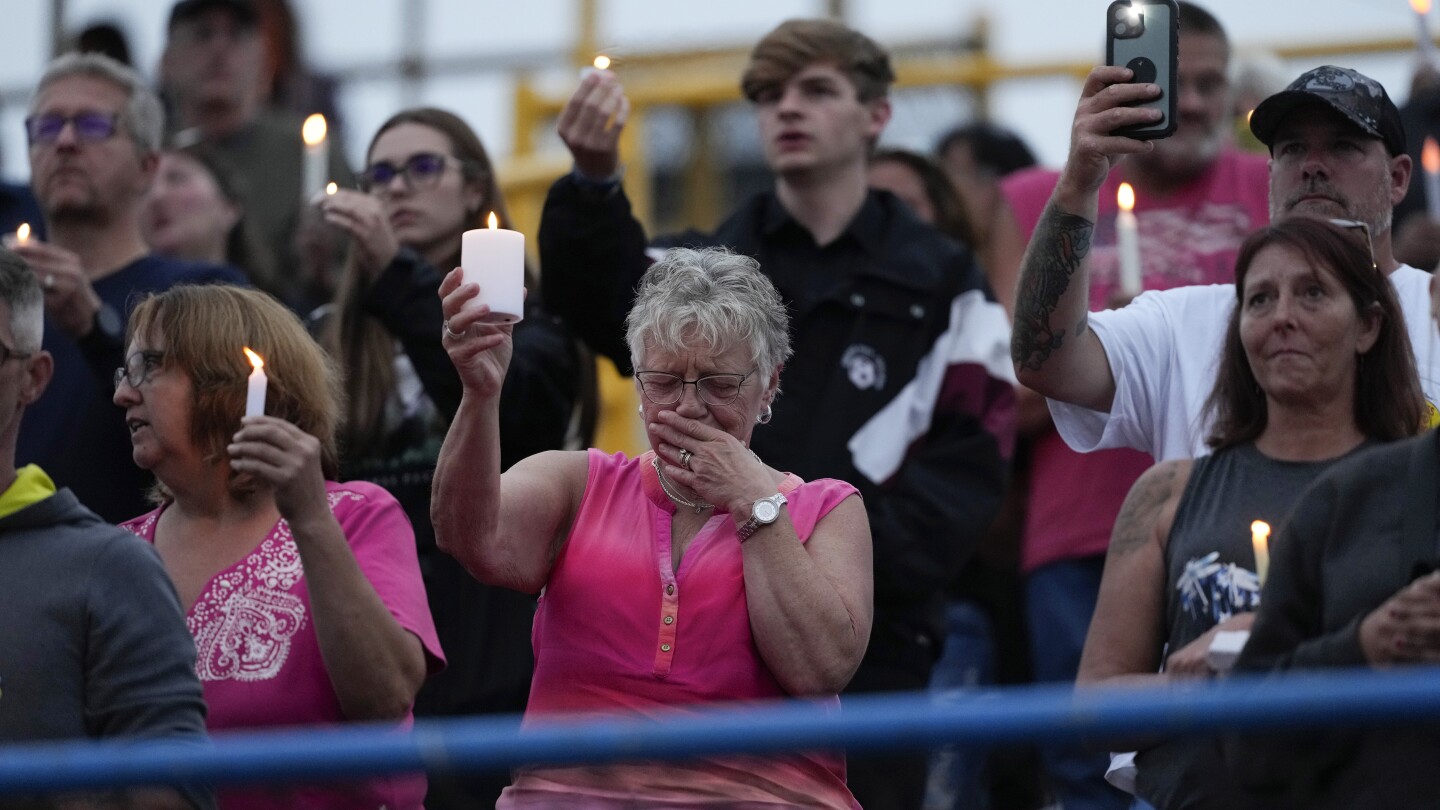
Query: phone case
[{"x": 1153, "y": 55}]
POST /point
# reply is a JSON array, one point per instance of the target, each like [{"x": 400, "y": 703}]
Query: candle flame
[
  {"x": 602, "y": 62},
  {"x": 1430, "y": 155},
  {"x": 1421, "y": 7},
  {"x": 331, "y": 188},
  {"x": 1126, "y": 197},
  {"x": 313, "y": 132},
  {"x": 22, "y": 233},
  {"x": 1260, "y": 532},
  {"x": 255, "y": 360},
  {"x": 494, "y": 222}
]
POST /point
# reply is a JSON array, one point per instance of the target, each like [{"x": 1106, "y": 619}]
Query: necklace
[{"x": 699, "y": 507}]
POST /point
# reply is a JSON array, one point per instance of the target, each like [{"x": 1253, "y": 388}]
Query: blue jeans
[
  {"x": 1059, "y": 601},
  {"x": 957, "y": 775}
]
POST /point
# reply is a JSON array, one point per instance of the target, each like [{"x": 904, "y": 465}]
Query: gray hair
[
  {"x": 20, "y": 291},
  {"x": 143, "y": 116},
  {"x": 711, "y": 297}
]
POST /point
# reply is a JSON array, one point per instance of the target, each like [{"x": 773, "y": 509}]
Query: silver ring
[
  {"x": 450, "y": 334},
  {"x": 685, "y": 458},
  {"x": 49, "y": 281}
]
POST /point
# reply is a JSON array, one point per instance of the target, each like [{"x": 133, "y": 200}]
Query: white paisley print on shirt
[{"x": 245, "y": 618}]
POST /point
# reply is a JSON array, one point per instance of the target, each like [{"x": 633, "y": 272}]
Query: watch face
[{"x": 766, "y": 511}]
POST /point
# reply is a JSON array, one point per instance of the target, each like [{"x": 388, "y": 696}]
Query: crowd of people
[{"x": 991, "y": 462}]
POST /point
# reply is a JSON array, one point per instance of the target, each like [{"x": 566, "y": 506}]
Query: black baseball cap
[
  {"x": 1351, "y": 93},
  {"x": 186, "y": 10}
]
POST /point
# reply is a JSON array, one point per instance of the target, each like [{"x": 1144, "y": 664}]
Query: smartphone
[{"x": 1144, "y": 35}]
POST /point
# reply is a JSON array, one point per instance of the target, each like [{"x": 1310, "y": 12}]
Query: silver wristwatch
[{"x": 764, "y": 512}]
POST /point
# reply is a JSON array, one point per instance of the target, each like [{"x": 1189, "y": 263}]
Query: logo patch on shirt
[{"x": 864, "y": 366}]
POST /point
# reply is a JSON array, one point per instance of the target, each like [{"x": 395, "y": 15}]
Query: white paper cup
[{"x": 494, "y": 258}]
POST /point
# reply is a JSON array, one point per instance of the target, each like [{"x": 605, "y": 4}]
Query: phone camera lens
[{"x": 1120, "y": 29}]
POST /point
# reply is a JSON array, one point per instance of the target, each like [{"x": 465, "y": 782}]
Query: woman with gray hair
[{"x": 692, "y": 574}]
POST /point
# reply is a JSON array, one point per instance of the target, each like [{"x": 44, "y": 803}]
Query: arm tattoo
[
  {"x": 1143, "y": 506},
  {"x": 1061, "y": 242}
]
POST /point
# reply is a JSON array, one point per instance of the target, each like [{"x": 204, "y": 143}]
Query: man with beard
[
  {"x": 1139, "y": 376},
  {"x": 94, "y": 132},
  {"x": 1197, "y": 197}
]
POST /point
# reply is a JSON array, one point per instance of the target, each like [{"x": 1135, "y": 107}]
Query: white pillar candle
[
  {"x": 1430, "y": 162},
  {"x": 317, "y": 156},
  {"x": 255, "y": 390},
  {"x": 1423, "y": 43},
  {"x": 1127, "y": 237},
  {"x": 1260, "y": 542},
  {"x": 494, "y": 258}
]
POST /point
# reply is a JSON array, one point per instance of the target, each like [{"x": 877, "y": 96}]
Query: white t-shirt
[{"x": 1164, "y": 349}]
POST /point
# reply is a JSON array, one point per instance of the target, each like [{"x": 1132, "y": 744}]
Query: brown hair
[
  {"x": 204, "y": 328},
  {"x": 798, "y": 44},
  {"x": 1388, "y": 401},
  {"x": 357, "y": 339},
  {"x": 951, "y": 218}
]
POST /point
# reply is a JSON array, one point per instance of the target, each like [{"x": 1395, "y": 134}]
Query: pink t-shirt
[
  {"x": 619, "y": 631},
  {"x": 257, "y": 654},
  {"x": 1188, "y": 237}
]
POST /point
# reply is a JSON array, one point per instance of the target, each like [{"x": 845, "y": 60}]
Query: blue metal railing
[{"x": 884, "y": 722}]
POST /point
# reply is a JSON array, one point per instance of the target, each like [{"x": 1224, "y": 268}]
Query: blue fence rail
[{"x": 886, "y": 722}]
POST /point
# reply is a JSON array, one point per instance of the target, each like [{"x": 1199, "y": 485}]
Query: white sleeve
[{"x": 1138, "y": 345}]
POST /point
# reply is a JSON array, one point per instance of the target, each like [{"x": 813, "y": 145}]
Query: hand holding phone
[{"x": 1144, "y": 36}]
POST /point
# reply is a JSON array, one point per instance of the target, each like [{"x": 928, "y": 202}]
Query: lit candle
[
  {"x": 494, "y": 258},
  {"x": 602, "y": 62},
  {"x": 1423, "y": 43},
  {"x": 330, "y": 189},
  {"x": 255, "y": 391},
  {"x": 317, "y": 156},
  {"x": 1127, "y": 237},
  {"x": 1430, "y": 160},
  {"x": 22, "y": 233},
  {"x": 1260, "y": 540}
]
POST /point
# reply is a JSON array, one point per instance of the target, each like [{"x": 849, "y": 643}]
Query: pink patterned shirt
[
  {"x": 619, "y": 631},
  {"x": 257, "y": 654}
]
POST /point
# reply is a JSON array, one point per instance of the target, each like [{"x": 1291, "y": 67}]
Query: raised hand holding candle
[
  {"x": 494, "y": 258},
  {"x": 317, "y": 156},
  {"x": 22, "y": 233},
  {"x": 1127, "y": 237},
  {"x": 1260, "y": 540},
  {"x": 255, "y": 390}
]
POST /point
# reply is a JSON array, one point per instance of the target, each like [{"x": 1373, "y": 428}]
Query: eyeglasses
[
  {"x": 664, "y": 388},
  {"x": 7, "y": 354},
  {"x": 1355, "y": 224},
  {"x": 91, "y": 127},
  {"x": 138, "y": 368},
  {"x": 422, "y": 170}
]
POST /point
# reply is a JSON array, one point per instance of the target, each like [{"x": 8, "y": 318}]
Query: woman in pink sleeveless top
[{"x": 690, "y": 575}]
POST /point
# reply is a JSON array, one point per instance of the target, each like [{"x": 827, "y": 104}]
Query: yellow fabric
[{"x": 31, "y": 485}]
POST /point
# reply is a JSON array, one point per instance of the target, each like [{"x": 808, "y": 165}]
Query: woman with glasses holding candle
[
  {"x": 1316, "y": 364},
  {"x": 690, "y": 575},
  {"x": 303, "y": 595},
  {"x": 427, "y": 180}
]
